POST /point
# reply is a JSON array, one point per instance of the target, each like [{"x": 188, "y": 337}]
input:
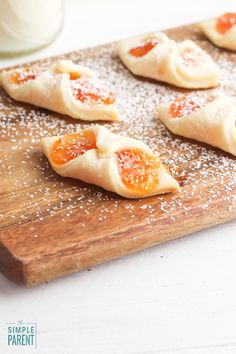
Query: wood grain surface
[{"x": 51, "y": 226}]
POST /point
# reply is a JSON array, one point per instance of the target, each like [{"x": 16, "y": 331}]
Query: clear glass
[{"x": 28, "y": 25}]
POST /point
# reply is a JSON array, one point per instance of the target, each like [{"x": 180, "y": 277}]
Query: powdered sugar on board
[{"x": 28, "y": 182}]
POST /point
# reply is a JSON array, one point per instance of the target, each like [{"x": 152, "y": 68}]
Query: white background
[{"x": 175, "y": 298}]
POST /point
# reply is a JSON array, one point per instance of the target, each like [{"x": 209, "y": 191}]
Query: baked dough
[
  {"x": 221, "y": 31},
  {"x": 58, "y": 89},
  {"x": 118, "y": 164},
  {"x": 209, "y": 119},
  {"x": 157, "y": 57}
]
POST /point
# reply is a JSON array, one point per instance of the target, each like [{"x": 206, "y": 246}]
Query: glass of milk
[{"x": 28, "y": 25}]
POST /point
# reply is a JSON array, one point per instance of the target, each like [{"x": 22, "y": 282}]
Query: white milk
[{"x": 26, "y": 25}]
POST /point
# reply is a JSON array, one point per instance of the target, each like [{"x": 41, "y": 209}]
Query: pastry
[
  {"x": 65, "y": 88},
  {"x": 221, "y": 31},
  {"x": 157, "y": 57},
  {"x": 206, "y": 118},
  {"x": 118, "y": 164}
]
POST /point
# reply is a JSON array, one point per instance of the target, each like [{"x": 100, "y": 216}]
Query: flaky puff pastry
[
  {"x": 118, "y": 164},
  {"x": 209, "y": 119},
  {"x": 65, "y": 87},
  {"x": 157, "y": 57},
  {"x": 221, "y": 31}
]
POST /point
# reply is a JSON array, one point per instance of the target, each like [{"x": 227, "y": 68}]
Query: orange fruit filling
[
  {"x": 138, "y": 170},
  {"x": 143, "y": 49},
  {"x": 225, "y": 22},
  {"x": 74, "y": 75},
  {"x": 71, "y": 146},
  {"x": 186, "y": 104},
  {"x": 87, "y": 91},
  {"x": 21, "y": 76}
]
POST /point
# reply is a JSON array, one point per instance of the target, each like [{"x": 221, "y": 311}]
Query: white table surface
[{"x": 179, "y": 297}]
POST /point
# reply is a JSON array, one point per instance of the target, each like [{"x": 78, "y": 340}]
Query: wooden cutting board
[{"x": 51, "y": 226}]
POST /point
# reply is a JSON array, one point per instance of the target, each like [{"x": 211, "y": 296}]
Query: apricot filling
[
  {"x": 21, "y": 76},
  {"x": 142, "y": 50},
  {"x": 89, "y": 91},
  {"x": 71, "y": 146},
  {"x": 74, "y": 75},
  {"x": 186, "y": 104},
  {"x": 138, "y": 170},
  {"x": 226, "y": 22}
]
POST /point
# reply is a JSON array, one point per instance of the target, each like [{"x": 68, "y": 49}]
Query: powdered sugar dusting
[
  {"x": 189, "y": 103},
  {"x": 92, "y": 91},
  {"x": 28, "y": 181}
]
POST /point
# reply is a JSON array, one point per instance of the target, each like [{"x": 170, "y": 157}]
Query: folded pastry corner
[
  {"x": 116, "y": 163},
  {"x": 64, "y": 87},
  {"x": 182, "y": 64},
  {"x": 209, "y": 118}
]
